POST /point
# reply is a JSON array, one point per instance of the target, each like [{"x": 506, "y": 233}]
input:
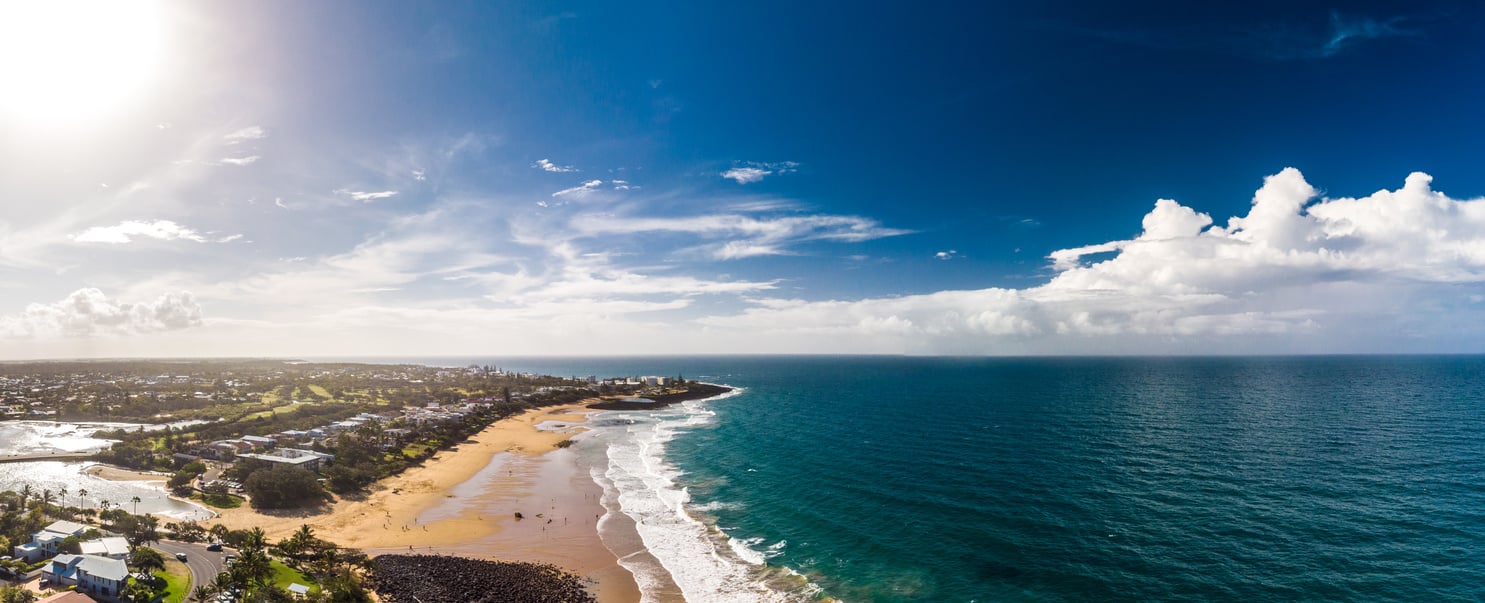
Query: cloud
[
  {"x": 89, "y": 313},
  {"x": 249, "y": 160},
  {"x": 547, "y": 165},
  {"x": 420, "y": 175},
  {"x": 947, "y": 255},
  {"x": 579, "y": 191},
  {"x": 751, "y": 172},
  {"x": 126, "y": 231},
  {"x": 623, "y": 185},
  {"x": 1293, "y": 271},
  {"x": 1348, "y": 32},
  {"x": 246, "y": 134},
  {"x": 746, "y": 175},
  {"x": 366, "y": 197},
  {"x": 1275, "y": 40},
  {"x": 751, "y": 235}
]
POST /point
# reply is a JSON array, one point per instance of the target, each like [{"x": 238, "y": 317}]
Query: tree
[
  {"x": 16, "y": 595},
  {"x": 218, "y": 531},
  {"x": 148, "y": 560},
  {"x": 82, "y": 495},
  {"x": 137, "y": 592},
  {"x": 139, "y": 530},
  {"x": 136, "y": 502},
  {"x": 283, "y": 486}
]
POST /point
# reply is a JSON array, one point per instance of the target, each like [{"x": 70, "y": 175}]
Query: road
[{"x": 204, "y": 564}]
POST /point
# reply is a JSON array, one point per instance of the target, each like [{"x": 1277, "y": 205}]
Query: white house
[
  {"x": 45, "y": 542},
  {"x": 90, "y": 573},
  {"x": 113, "y": 547}
]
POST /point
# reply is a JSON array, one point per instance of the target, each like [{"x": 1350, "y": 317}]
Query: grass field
[
  {"x": 284, "y": 575},
  {"x": 175, "y": 581}
]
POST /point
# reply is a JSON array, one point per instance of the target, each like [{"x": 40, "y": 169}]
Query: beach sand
[
  {"x": 512, "y": 466},
  {"x": 119, "y": 474}
]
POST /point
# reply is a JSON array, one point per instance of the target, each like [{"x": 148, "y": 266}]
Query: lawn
[
  {"x": 321, "y": 391},
  {"x": 175, "y": 581},
  {"x": 284, "y": 575}
]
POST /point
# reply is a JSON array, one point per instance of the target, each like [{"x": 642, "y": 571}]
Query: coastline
[
  {"x": 511, "y": 466},
  {"x": 701, "y": 391}
]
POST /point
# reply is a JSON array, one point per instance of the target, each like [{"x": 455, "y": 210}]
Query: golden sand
[{"x": 417, "y": 510}]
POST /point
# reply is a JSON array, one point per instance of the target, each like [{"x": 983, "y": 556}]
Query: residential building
[
  {"x": 295, "y": 457},
  {"x": 89, "y": 573},
  {"x": 113, "y": 547},
  {"x": 45, "y": 542}
]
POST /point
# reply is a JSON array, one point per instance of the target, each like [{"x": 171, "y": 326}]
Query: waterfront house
[
  {"x": 89, "y": 573},
  {"x": 45, "y": 542}
]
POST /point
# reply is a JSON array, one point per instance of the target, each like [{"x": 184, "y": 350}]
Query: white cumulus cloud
[
  {"x": 1389, "y": 267},
  {"x": 751, "y": 172},
  {"x": 88, "y": 312}
]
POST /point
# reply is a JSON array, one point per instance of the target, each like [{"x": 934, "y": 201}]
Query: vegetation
[{"x": 282, "y": 486}]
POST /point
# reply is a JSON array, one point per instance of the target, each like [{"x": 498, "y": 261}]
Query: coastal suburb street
[{"x": 204, "y": 564}]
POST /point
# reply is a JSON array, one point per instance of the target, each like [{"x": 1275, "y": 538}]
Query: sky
[{"x": 341, "y": 178}]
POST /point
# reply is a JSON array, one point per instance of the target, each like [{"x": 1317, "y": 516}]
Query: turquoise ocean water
[{"x": 1136, "y": 479}]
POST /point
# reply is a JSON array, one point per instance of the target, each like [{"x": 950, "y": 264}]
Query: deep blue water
[{"x": 1130, "y": 479}]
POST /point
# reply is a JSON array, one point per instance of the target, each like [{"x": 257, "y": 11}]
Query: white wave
[{"x": 705, "y": 564}]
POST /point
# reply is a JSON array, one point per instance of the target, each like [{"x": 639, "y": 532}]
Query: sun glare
[{"x": 70, "y": 62}]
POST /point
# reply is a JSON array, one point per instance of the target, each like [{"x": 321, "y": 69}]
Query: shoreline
[{"x": 463, "y": 501}]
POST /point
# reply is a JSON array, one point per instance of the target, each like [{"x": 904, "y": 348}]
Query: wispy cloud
[
  {"x": 750, "y": 172},
  {"x": 947, "y": 255},
  {"x": 366, "y": 197},
  {"x": 749, "y": 236},
  {"x": 246, "y": 134},
  {"x": 1274, "y": 40},
  {"x": 249, "y": 160},
  {"x": 127, "y": 231},
  {"x": 579, "y": 190},
  {"x": 547, "y": 165}
]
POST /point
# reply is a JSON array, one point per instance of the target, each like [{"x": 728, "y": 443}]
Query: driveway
[{"x": 204, "y": 564}]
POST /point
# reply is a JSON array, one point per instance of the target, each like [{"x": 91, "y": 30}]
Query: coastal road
[{"x": 204, "y": 564}]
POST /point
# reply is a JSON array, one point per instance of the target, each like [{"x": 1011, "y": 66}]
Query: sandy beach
[{"x": 511, "y": 467}]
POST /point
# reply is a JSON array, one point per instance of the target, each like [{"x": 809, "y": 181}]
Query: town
[{"x": 266, "y": 433}]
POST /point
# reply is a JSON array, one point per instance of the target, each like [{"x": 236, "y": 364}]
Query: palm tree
[
  {"x": 135, "y": 500},
  {"x": 82, "y": 495},
  {"x": 46, "y": 497},
  {"x": 62, "y": 492},
  {"x": 205, "y": 592}
]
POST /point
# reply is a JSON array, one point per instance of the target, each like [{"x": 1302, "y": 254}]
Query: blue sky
[{"x": 385, "y": 178}]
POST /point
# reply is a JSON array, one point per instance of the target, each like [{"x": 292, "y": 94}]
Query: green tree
[
  {"x": 148, "y": 560},
  {"x": 283, "y": 487},
  {"x": 16, "y": 595}
]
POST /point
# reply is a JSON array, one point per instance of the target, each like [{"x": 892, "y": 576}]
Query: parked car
[{"x": 215, "y": 546}]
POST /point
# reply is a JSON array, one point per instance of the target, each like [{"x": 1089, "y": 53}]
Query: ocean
[{"x": 900, "y": 479}]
